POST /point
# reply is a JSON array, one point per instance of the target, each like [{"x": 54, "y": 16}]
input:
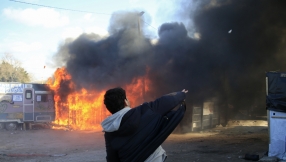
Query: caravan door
[{"x": 28, "y": 104}]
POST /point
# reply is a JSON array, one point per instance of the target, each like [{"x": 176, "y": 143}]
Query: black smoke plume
[{"x": 225, "y": 55}]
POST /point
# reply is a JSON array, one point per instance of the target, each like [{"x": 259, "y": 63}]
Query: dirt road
[{"x": 218, "y": 144}]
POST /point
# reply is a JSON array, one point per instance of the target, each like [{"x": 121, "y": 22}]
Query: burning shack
[{"x": 83, "y": 109}]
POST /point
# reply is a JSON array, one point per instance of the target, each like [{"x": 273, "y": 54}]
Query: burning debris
[{"x": 227, "y": 65}]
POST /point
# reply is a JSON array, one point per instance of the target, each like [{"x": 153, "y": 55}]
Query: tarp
[{"x": 276, "y": 91}]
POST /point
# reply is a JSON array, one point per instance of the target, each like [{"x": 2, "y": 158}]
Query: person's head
[{"x": 115, "y": 100}]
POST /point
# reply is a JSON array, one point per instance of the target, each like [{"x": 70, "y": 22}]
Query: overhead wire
[
  {"x": 149, "y": 24},
  {"x": 59, "y": 7}
]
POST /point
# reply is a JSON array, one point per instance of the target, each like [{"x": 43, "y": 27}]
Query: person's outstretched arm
[{"x": 168, "y": 102}]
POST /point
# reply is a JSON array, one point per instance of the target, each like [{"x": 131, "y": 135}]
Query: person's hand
[{"x": 185, "y": 91}]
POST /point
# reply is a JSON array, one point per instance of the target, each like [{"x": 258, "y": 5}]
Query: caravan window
[
  {"x": 42, "y": 98},
  {"x": 28, "y": 94},
  {"x": 17, "y": 98}
]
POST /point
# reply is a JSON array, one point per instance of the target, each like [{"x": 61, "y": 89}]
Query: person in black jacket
[{"x": 136, "y": 134}]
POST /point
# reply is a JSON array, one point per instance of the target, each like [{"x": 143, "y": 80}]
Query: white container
[{"x": 277, "y": 134}]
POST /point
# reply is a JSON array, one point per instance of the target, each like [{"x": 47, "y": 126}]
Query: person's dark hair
[{"x": 114, "y": 99}]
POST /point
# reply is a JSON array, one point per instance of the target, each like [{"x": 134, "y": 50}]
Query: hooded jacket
[{"x": 134, "y": 134}]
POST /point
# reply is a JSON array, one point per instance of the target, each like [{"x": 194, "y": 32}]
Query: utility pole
[
  {"x": 139, "y": 22},
  {"x": 43, "y": 74},
  {"x": 140, "y": 33}
]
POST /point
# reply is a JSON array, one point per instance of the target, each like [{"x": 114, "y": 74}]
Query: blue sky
[{"x": 33, "y": 33}]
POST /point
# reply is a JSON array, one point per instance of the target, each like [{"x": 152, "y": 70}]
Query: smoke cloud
[{"x": 223, "y": 52}]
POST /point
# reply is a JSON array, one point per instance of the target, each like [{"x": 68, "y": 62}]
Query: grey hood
[{"x": 112, "y": 123}]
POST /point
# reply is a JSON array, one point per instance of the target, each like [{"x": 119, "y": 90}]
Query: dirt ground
[{"x": 219, "y": 144}]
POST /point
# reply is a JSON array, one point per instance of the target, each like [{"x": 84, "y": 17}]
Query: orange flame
[{"x": 84, "y": 109}]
